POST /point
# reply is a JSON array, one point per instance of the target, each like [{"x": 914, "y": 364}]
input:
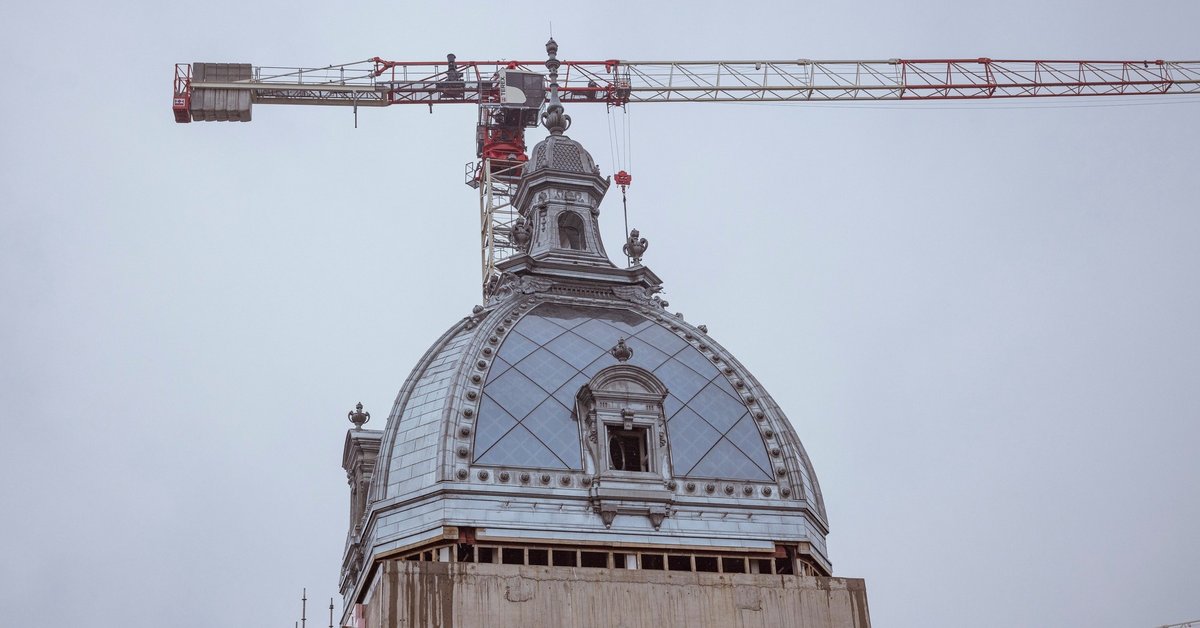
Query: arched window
[{"x": 570, "y": 231}]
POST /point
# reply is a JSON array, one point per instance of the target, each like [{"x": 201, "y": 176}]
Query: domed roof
[
  {"x": 492, "y": 406},
  {"x": 560, "y": 153},
  {"x": 572, "y": 407}
]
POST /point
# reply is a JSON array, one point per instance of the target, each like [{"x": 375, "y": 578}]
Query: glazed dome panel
[{"x": 526, "y": 414}]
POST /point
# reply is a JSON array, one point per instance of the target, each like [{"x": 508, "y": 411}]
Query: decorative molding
[
  {"x": 508, "y": 285},
  {"x": 641, "y": 295},
  {"x": 476, "y": 317}
]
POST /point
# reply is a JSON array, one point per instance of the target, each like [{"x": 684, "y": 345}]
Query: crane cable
[{"x": 621, "y": 155}]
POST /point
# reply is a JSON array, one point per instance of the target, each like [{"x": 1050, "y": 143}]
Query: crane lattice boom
[{"x": 379, "y": 83}]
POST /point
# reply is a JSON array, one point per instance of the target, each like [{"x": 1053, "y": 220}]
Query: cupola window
[{"x": 570, "y": 231}]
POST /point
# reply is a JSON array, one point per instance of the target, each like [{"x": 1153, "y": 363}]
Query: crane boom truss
[{"x": 379, "y": 83}]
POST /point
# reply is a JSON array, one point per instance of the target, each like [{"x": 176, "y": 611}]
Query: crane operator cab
[{"x": 500, "y": 136}]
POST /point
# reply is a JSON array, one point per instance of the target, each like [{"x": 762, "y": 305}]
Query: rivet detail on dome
[
  {"x": 504, "y": 476},
  {"x": 525, "y": 478},
  {"x": 462, "y": 452},
  {"x": 785, "y": 491},
  {"x": 565, "y": 480},
  {"x": 775, "y": 451},
  {"x": 781, "y": 470},
  {"x": 747, "y": 490},
  {"x": 710, "y": 487},
  {"x": 672, "y": 484},
  {"x": 729, "y": 489},
  {"x": 483, "y": 474},
  {"x": 482, "y": 364},
  {"x": 758, "y": 414},
  {"x": 464, "y": 431},
  {"x": 461, "y": 474},
  {"x": 728, "y": 370},
  {"x": 690, "y": 486},
  {"x": 737, "y": 383},
  {"x": 750, "y": 399},
  {"x": 768, "y": 432},
  {"x": 545, "y": 478},
  {"x": 703, "y": 347},
  {"x": 494, "y": 339},
  {"x": 767, "y": 491},
  {"x": 472, "y": 394},
  {"x": 487, "y": 351},
  {"x": 468, "y": 412},
  {"x": 476, "y": 378}
]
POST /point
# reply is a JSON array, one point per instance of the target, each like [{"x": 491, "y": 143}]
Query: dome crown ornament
[
  {"x": 554, "y": 119},
  {"x": 358, "y": 417}
]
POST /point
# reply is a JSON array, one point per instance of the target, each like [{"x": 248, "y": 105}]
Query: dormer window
[
  {"x": 624, "y": 437},
  {"x": 627, "y": 449},
  {"x": 570, "y": 231}
]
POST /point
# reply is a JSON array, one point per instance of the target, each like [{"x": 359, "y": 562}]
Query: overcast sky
[{"x": 980, "y": 317}]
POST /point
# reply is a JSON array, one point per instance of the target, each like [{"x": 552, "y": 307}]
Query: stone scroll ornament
[
  {"x": 641, "y": 295},
  {"x": 507, "y": 285}
]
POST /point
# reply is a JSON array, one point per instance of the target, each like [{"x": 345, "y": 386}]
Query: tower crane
[{"x": 510, "y": 95}]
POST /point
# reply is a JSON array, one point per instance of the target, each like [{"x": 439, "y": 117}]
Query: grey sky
[{"x": 980, "y": 318}]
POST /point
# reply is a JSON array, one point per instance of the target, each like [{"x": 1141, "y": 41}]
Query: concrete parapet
[{"x": 446, "y": 595}]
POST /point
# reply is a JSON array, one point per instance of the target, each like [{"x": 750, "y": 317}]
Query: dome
[
  {"x": 486, "y": 433},
  {"x": 562, "y": 154},
  {"x": 573, "y": 407}
]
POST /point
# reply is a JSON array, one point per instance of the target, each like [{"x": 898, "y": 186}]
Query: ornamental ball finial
[
  {"x": 357, "y": 416},
  {"x": 622, "y": 352}
]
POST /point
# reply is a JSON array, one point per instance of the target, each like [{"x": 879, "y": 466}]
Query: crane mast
[{"x": 510, "y": 94}]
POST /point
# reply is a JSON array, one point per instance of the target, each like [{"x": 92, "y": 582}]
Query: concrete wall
[{"x": 450, "y": 595}]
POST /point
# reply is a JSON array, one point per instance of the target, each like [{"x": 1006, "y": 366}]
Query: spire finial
[{"x": 554, "y": 119}]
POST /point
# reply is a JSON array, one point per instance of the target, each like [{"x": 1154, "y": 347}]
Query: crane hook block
[{"x": 623, "y": 178}]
